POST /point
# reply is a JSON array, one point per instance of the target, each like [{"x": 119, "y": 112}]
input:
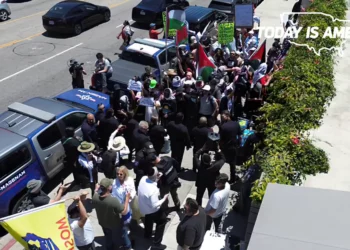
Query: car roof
[
  {"x": 23, "y": 123},
  {"x": 194, "y": 14},
  {"x": 84, "y": 99},
  {"x": 71, "y": 3},
  {"x": 9, "y": 140},
  {"x": 142, "y": 48}
]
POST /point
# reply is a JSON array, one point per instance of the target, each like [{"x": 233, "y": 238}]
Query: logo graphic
[
  {"x": 45, "y": 244},
  {"x": 86, "y": 98},
  {"x": 293, "y": 32}
]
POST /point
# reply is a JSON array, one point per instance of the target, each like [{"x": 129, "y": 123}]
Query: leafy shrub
[{"x": 297, "y": 101}]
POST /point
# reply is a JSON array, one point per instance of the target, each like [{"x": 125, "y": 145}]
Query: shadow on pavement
[
  {"x": 187, "y": 175},
  {"x": 140, "y": 26}
]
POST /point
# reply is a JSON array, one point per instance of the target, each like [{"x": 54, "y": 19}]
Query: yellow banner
[
  {"x": 45, "y": 228},
  {"x": 172, "y": 32},
  {"x": 226, "y": 33}
]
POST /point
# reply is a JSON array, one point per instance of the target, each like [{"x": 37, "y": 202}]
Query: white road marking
[
  {"x": 34, "y": 65},
  {"x": 120, "y": 25}
]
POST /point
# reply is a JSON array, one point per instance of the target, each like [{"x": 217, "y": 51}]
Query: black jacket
[
  {"x": 71, "y": 145},
  {"x": 229, "y": 132},
  {"x": 131, "y": 125},
  {"x": 89, "y": 132},
  {"x": 156, "y": 134},
  {"x": 169, "y": 107},
  {"x": 179, "y": 135},
  {"x": 208, "y": 173},
  {"x": 199, "y": 136},
  {"x": 107, "y": 127},
  {"x": 139, "y": 139}
]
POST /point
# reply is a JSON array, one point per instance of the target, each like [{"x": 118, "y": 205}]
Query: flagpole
[{"x": 166, "y": 35}]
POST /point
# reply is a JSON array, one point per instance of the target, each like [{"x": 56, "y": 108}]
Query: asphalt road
[{"x": 34, "y": 64}]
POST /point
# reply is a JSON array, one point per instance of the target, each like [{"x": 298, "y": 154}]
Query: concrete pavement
[{"x": 334, "y": 134}]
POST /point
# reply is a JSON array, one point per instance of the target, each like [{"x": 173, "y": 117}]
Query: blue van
[{"x": 30, "y": 145}]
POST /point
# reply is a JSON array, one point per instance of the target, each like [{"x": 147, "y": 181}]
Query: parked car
[
  {"x": 198, "y": 18},
  {"x": 5, "y": 10},
  {"x": 150, "y": 11},
  {"x": 143, "y": 52},
  {"x": 224, "y": 6},
  {"x": 73, "y": 17},
  {"x": 30, "y": 145}
]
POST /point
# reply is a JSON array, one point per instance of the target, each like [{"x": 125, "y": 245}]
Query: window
[
  {"x": 74, "y": 120},
  {"x": 50, "y": 136},
  {"x": 171, "y": 55},
  {"x": 14, "y": 161},
  {"x": 89, "y": 7},
  {"x": 76, "y": 11},
  {"x": 140, "y": 58}
]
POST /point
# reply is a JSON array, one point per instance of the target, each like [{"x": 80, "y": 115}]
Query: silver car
[{"x": 5, "y": 11}]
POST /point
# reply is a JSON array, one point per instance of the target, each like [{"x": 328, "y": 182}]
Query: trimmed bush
[{"x": 297, "y": 101}]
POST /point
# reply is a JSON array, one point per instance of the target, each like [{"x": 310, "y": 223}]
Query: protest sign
[
  {"x": 46, "y": 227},
  {"x": 145, "y": 101},
  {"x": 244, "y": 16},
  {"x": 226, "y": 33},
  {"x": 171, "y": 32}
]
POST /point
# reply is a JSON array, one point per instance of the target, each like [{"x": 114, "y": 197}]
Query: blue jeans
[{"x": 112, "y": 237}]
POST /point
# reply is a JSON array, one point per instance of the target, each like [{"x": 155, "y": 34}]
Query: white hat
[
  {"x": 238, "y": 52},
  {"x": 251, "y": 32},
  {"x": 118, "y": 143},
  {"x": 188, "y": 82},
  {"x": 176, "y": 81},
  {"x": 252, "y": 49},
  {"x": 206, "y": 87}
]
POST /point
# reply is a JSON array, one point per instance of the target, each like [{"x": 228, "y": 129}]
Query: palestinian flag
[
  {"x": 204, "y": 66},
  {"x": 182, "y": 36},
  {"x": 176, "y": 17},
  {"x": 259, "y": 53}
]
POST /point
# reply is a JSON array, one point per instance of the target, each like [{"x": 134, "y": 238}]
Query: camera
[{"x": 75, "y": 65}]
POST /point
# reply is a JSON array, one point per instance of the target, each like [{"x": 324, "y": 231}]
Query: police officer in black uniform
[{"x": 169, "y": 182}]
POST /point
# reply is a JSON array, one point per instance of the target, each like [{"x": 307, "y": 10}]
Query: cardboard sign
[
  {"x": 226, "y": 33},
  {"x": 244, "y": 16},
  {"x": 145, "y": 101},
  {"x": 171, "y": 32}
]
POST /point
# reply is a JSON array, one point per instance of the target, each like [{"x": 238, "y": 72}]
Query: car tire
[
  {"x": 3, "y": 15},
  {"x": 107, "y": 16},
  {"x": 22, "y": 204},
  {"x": 78, "y": 29}
]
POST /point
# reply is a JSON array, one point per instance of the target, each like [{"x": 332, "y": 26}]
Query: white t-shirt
[
  {"x": 218, "y": 200},
  {"x": 82, "y": 236}
]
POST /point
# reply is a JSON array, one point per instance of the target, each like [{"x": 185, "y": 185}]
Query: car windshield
[
  {"x": 138, "y": 58},
  {"x": 76, "y": 105},
  {"x": 221, "y": 3},
  {"x": 153, "y": 2},
  {"x": 60, "y": 9}
]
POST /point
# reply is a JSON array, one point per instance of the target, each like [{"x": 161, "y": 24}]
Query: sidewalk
[{"x": 334, "y": 134}]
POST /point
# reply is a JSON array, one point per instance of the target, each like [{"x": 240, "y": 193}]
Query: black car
[
  {"x": 198, "y": 18},
  {"x": 150, "y": 11},
  {"x": 74, "y": 16}
]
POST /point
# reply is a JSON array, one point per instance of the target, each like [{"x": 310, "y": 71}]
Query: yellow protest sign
[
  {"x": 226, "y": 33},
  {"x": 172, "y": 32},
  {"x": 46, "y": 227}
]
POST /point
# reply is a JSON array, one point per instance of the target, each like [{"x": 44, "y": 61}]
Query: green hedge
[{"x": 298, "y": 99}]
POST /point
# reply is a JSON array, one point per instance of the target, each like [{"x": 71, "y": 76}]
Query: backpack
[
  {"x": 243, "y": 123},
  {"x": 245, "y": 135},
  {"x": 109, "y": 60}
]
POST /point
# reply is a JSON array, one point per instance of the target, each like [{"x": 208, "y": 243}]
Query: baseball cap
[
  {"x": 152, "y": 25},
  {"x": 152, "y": 84},
  {"x": 106, "y": 183},
  {"x": 222, "y": 178},
  {"x": 199, "y": 79},
  {"x": 206, "y": 87},
  {"x": 34, "y": 185}
]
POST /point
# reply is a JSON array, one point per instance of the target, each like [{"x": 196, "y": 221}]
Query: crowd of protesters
[{"x": 181, "y": 112}]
